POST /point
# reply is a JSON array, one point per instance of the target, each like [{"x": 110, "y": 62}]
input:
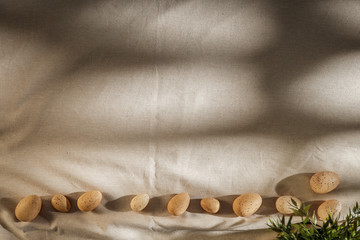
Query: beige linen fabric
[{"x": 214, "y": 98}]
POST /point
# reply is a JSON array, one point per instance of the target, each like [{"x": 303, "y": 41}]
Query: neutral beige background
[{"x": 215, "y": 98}]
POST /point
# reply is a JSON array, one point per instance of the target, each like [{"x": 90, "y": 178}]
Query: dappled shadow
[{"x": 300, "y": 42}]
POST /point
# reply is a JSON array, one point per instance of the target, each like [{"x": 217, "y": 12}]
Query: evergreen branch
[{"x": 308, "y": 228}]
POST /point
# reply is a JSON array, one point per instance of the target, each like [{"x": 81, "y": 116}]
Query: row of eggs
[{"x": 245, "y": 205}]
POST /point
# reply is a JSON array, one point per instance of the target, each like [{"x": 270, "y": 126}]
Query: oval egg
[
  {"x": 324, "y": 182},
  {"x": 210, "y": 205},
  {"x": 178, "y": 204},
  {"x": 89, "y": 200},
  {"x": 332, "y": 207},
  {"x": 60, "y": 203},
  {"x": 284, "y": 204},
  {"x": 28, "y": 208},
  {"x": 247, "y": 204},
  {"x": 139, "y": 202}
]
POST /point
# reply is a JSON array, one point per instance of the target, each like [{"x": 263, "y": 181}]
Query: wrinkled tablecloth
[{"x": 213, "y": 98}]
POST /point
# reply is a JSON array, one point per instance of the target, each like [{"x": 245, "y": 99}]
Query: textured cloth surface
[{"x": 213, "y": 98}]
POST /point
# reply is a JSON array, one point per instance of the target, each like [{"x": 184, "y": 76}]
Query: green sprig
[{"x": 309, "y": 228}]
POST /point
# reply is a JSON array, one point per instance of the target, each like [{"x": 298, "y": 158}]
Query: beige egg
[
  {"x": 324, "y": 182},
  {"x": 284, "y": 204},
  {"x": 60, "y": 203},
  {"x": 89, "y": 200},
  {"x": 178, "y": 204},
  {"x": 210, "y": 205},
  {"x": 330, "y": 206},
  {"x": 247, "y": 204},
  {"x": 139, "y": 202},
  {"x": 28, "y": 208}
]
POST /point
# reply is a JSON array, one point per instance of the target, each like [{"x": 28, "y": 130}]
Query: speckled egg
[
  {"x": 139, "y": 202},
  {"x": 324, "y": 182},
  {"x": 247, "y": 204},
  {"x": 210, "y": 205},
  {"x": 178, "y": 204},
  {"x": 284, "y": 204},
  {"x": 60, "y": 203},
  {"x": 28, "y": 208},
  {"x": 330, "y": 206},
  {"x": 89, "y": 200}
]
